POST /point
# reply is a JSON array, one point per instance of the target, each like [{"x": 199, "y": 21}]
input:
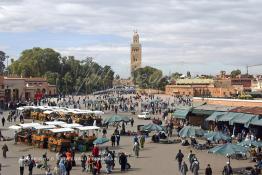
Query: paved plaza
[{"x": 154, "y": 159}]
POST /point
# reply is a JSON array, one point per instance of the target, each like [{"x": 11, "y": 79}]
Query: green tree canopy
[
  {"x": 69, "y": 74},
  {"x": 235, "y": 73},
  {"x": 2, "y": 59},
  {"x": 149, "y": 77}
]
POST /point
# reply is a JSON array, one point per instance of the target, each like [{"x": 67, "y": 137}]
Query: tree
[
  {"x": 51, "y": 77},
  {"x": 2, "y": 59},
  {"x": 176, "y": 76},
  {"x": 235, "y": 73},
  {"x": 117, "y": 77},
  {"x": 188, "y": 74},
  {"x": 147, "y": 77},
  {"x": 163, "y": 82},
  {"x": 69, "y": 74}
]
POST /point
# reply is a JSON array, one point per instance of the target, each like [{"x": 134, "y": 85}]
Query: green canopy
[
  {"x": 216, "y": 136},
  {"x": 228, "y": 149},
  {"x": 215, "y": 116},
  {"x": 256, "y": 121},
  {"x": 228, "y": 116},
  {"x": 116, "y": 118},
  {"x": 152, "y": 127},
  {"x": 181, "y": 113},
  {"x": 242, "y": 118},
  {"x": 250, "y": 143},
  {"x": 202, "y": 112},
  {"x": 191, "y": 131},
  {"x": 100, "y": 141}
]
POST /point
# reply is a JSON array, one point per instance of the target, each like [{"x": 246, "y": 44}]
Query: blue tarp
[
  {"x": 257, "y": 121},
  {"x": 181, "y": 113},
  {"x": 242, "y": 118},
  {"x": 215, "y": 116}
]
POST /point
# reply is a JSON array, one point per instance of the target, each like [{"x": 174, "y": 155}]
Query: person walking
[
  {"x": 4, "y": 149},
  {"x": 104, "y": 132},
  {"x": 113, "y": 140},
  {"x": 3, "y": 121},
  {"x": 95, "y": 151},
  {"x": 191, "y": 159},
  {"x": 108, "y": 162},
  {"x": 184, "y": 168},
  {"x": 208, "y": 170},
  {"x": 62, "y": 168},
  {"x": 90, "y": 163},
  {"x": 132, "y": 122},
  {"x": 21, "y": 163},
  {"x": 83, "y": 161},
  {"x": 16, "y": 137},
  {"x": 31, "y": 164},
  {"x": 195, "y": 167},
  {"x": 118, "y": 139},
  {"x": 68, "y": 166},
  {"x": 136, "y": 149},
  {"x": 142, "y": 141},
  {"x": 123, "y": 161},
  {"x": 179, "y": 158},
  {"x": 227, "y": 169}
]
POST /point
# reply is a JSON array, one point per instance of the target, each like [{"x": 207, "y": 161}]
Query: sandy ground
[{"x": 154, "y": 159}]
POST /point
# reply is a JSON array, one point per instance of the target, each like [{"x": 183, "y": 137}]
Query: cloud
[{"x": 187, "y": 34}]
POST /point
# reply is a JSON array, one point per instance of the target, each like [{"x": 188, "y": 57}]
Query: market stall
[{"x": 60, "y": 139}]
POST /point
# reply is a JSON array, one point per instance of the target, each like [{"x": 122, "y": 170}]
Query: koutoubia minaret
[{"x": 136, "y": 53}]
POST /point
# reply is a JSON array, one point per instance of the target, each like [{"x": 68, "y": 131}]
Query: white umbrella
[{"x": 15, "y": 127}]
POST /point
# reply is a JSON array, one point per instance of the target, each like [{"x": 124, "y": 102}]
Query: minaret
[{"x": 136, "y": 53}]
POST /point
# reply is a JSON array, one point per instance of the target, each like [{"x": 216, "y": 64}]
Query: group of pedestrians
[
  {"x": 194, "y": 164},
  {"x": 26, "y": 161}
]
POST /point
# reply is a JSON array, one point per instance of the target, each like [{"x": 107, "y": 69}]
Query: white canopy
[
  {"x": 45, "y": 127},
  {"x": 71, "y": 125},
  {"x": 29, "y": 107},
  {"x": 59, "y": 130},
  {"x": 20, "y": 108},
  {"x": 15, "y": 127},
  {"x": 55, "y": 123},
  {"x": 86, "y": 128},
  {"x": 48, "y": 112},
  {"x": 29, "y": 125},
  {"x": 98, "y": 112}
]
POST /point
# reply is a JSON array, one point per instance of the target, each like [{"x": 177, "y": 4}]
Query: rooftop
[
  {"x": 210, "y": 107},
  {"x": 194, "y": 81},
  {"x": 248, "y": 110}
]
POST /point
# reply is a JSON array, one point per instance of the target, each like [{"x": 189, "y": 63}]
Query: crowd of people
[{"x": 98, "y": 161}]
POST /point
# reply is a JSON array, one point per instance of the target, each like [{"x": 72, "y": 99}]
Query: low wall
[{"x": 229, "y": 102}]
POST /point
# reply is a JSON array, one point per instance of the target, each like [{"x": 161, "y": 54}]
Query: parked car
[{"x": 145, "y": 116}]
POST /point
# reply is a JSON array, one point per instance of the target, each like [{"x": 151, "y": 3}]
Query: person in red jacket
[
  {"x": 98, "y": 165},
  {"x": 95, "y": 151}
]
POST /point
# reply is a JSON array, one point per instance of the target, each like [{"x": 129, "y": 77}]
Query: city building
[
  {"x": 19, "y": 88},
  {"x": 241, "y": 82},
  {"x": 199, "y": 88},
  {"x": 136, "y": 53}
]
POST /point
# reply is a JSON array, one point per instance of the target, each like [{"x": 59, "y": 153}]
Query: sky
[{"x": 200, "y": 36}]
